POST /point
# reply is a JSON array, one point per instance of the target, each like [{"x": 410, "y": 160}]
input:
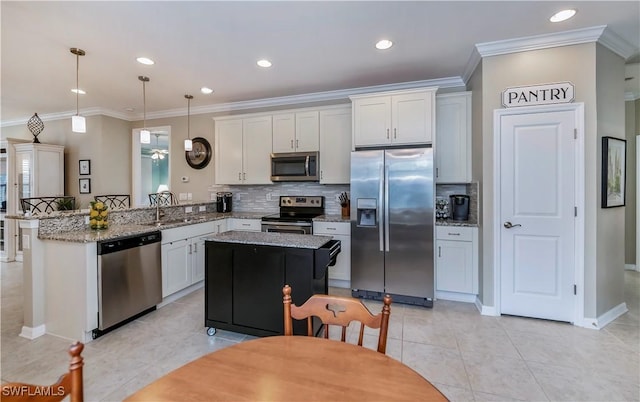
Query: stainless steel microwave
[{"x": 295, "y": 166}]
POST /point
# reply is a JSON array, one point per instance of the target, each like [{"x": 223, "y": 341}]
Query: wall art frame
[
  {"x": 84, "y": 166},
  {"x": 84, "y": 186},
  {"x": 613, "y": 172}
]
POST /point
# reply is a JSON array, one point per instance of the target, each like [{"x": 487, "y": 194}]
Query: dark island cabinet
[{"x": 243, "y": 286}]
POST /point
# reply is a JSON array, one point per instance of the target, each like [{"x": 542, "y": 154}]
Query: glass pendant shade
[
  {"x": 78, "y": 124},
  {"x": 145, "y": 136},
  {"x": 188, "y": 145}
]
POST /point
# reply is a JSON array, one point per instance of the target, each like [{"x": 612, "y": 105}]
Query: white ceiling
[{"x": 314, "y": 47}]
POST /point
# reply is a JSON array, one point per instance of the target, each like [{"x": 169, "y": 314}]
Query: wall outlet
[
  {"x": 188, "y": 210},
  {"x": 189, "y": 196},
  {"x": 182, "y": 196},
  {"x": 268, "y": 196},
  {"x": 202, "y": 208}
]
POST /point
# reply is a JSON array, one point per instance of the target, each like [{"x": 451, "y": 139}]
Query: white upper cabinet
[
  {"x": 335, "y": 146},
  {"x": 453, "y": 138},
  {"x": 296, "y": 132},
  {"x": 242, "y": 153},
  {"x": 394, "y": 118}
]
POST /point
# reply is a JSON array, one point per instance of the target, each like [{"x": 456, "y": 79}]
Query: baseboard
[
  {"x": 181, "y": 293},
  {"x": 611, "y": 315},
  {"x": 455, "y": 296},
  {"x": 631, "y": 267},
  {"x": 486, "y": 310},
  {"x": 33, "y": 332}
]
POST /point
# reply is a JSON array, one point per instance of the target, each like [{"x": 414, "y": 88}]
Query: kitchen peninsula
[{"x": 246, "y": 271}]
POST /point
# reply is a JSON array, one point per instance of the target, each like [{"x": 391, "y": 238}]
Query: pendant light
[
  {"x": 78, "y": 123},
  {"x": 188, "y": 145},
  {"x": 145, "y": 135}
]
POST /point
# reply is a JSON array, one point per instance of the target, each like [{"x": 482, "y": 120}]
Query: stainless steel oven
[{"x": 296, "y": 215}]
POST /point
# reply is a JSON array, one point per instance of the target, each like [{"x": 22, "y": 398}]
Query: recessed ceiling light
[
  {"x": 264, "y": 63},
  {"x": 562, "y": 15},
  {"x": 78, "y": 91},
  {"x": 145, "y": 60},
  {"x": 384, "y": 44},
  {"x": 206, "y": 90}
]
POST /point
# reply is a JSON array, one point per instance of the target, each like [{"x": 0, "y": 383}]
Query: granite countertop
[
  {"x": 270, "y": 239},
  {"x": 124, "y": 230},
  {"x": 451, "y": 222}
]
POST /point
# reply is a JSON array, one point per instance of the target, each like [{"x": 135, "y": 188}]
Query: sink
[{"x": 173, "y": 222}]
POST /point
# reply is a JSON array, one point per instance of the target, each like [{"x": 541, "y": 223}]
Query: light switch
[
  {"x": 182, "y": 196},
  {"x": 189, "y": 196}
]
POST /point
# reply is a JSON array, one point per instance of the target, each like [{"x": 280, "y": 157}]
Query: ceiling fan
[{"x": 157, "y": 153}]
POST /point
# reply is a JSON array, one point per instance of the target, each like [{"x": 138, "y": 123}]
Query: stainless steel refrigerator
[{"x": 392, "y": 224}]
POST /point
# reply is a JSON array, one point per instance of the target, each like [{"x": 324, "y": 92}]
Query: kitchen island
[{"x": 246, "y": 271}]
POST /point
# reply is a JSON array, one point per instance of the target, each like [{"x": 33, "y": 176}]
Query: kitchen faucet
[{"x": 159, "y": 214}]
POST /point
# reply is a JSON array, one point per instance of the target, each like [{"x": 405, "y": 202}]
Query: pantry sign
[{"x": 545, "y": 94}]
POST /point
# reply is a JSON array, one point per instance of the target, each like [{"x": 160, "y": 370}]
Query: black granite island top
[{"x": 271, "y": 239}]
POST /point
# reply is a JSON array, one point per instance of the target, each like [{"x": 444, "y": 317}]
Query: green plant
[{"x": 64, "y": 204}]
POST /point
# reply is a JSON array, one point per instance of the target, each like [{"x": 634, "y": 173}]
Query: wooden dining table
[{"x": 291, "y": 368}]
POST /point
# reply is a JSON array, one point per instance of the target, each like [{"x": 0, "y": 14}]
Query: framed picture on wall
[
  {"x": 85, "y": 186},
  {"x": 613, "y": 172},
  {"x": 85, "y": 166}
]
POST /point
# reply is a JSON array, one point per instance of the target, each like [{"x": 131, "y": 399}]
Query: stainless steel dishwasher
[{"x": 129, "y": 279}]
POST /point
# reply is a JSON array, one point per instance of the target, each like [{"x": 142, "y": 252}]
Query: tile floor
[{"x": 469, "y": 357}]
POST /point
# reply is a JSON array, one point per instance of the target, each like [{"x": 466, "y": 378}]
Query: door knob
[{"x": 509, "y": 225}]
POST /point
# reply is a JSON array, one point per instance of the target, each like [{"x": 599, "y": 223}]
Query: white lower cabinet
[
  {"x": 183, "y": 255},
  {"x": 456, "y": 263},
  {"x": 339, "y": 274},
  {"x": 247, "y": 225}
]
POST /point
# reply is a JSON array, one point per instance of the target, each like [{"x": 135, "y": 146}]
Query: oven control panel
[{"x": 314, "y": 201}]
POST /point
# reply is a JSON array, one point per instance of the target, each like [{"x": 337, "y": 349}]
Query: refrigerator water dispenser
[{"x": 367, "y": 211}]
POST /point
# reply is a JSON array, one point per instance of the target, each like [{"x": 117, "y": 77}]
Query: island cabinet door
[
  {"x": 218, "y": 283},
  {"x": 258, "y": 278}
]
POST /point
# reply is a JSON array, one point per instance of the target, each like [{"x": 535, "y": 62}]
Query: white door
[{"x": 537, "y": 204}]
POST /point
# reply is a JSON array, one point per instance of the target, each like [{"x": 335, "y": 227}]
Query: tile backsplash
[{"x": 264, "y": 198}]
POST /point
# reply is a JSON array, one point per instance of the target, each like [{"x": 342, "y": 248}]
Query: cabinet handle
[
  {"x": 387, "y": 133},
  {"x": 437, "y": 172},
  {"x": 331, "y": 229},
  {"x": 190, "y": 249},
  {"x": 291, "y": 144},
  {"x": 239, "y": 176},
  {"x": 394, "y": 134},
  {"x": 246, "y": 224},
  {"x": 195, "y": 248},
  {"x": 297, "y": 144},
  {"x": 439, "y": 251},
  {"x": 453, "y": 234},
  {"x": 244, "y": 176},
  {"x": 321, "y": 174}
]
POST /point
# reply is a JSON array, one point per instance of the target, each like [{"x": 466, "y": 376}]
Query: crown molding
[
  {"x": 338, "y": 95},
  {"x": 94, "y": 111},
  {"x": 537, "y": 42},
  {"x": 474, "y": 59},
  {"x": 601, "y": 34}
]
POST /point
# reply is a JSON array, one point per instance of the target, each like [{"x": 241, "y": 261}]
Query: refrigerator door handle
[
  {"x": 380, "y": 213},
  {"x": 386, "y": 208}
]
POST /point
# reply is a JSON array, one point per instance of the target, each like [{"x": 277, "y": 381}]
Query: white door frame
[
  {"x": 638, "y": 202},
  {"x": 578, "y": 109}
]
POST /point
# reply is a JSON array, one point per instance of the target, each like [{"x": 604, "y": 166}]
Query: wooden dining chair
[
  {"x": 338, "y": 311},
  {"x": 68, "y": 384}
]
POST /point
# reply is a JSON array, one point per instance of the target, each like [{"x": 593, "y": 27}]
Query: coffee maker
[
  {"x": 459, "y": 204},
  {"x": 224, "y": 201}
]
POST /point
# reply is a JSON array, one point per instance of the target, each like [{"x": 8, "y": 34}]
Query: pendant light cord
[
  {"x": 189, "y": 117},
  {"x": 144, "y": 105},
  {"x": 77, "y": 83}
]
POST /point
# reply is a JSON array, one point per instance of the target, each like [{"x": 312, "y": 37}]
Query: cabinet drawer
[
  {"x": 454, "y": 233},
  {"x": 252, "y": 225},
  {"x": 332, "y": 228}
]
